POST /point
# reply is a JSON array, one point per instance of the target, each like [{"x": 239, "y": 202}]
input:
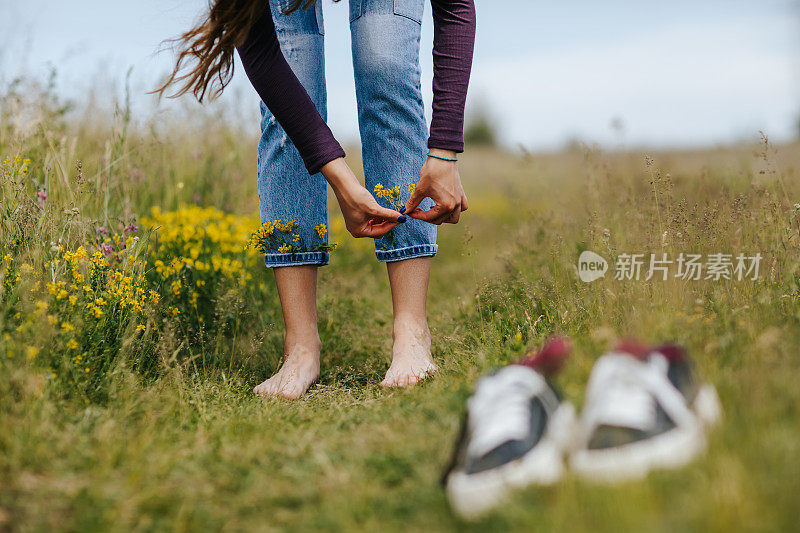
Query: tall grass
[{"x": 163, "y": 432}]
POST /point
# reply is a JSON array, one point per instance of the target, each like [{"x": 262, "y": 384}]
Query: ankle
[
  {"x": 307, "y": 340},
  {"x": 411, "y": 325}
]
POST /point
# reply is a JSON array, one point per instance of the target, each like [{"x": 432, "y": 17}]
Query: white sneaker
[
  {"x": 516, "y": 434},
  {"x": 642, "y": 412}
]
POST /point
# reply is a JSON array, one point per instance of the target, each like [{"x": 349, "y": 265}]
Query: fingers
[
  {"x": 375, "y": 230},
  {"x": 435, "y": 212},
  {"x": 449, "y": 212},
  {"x": 381, "y": 220},
  {"x": 415, "y": 200},
  {"x": 454, "y": 217},
  {"x": 435, "y": 215},
  {"x": 456, "y": 214},
  {"x": 451, "y": 217},
  {"x": 384, "y": 213}
]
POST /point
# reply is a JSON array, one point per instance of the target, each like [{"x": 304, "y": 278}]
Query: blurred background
[{"x": 680, "y": 74}]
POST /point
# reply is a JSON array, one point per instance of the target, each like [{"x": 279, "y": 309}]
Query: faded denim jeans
[{"x": 385, "y": 36}]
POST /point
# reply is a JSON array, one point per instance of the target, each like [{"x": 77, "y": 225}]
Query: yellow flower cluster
[
  {"x": 191, "y": 228},
  {"x": 195, "y": 245},
  {"x": 17, "y": 165},
  {"x": 90, "y": 299},
  {"x": 393, "y": 200},
  {"x": 10, "y": 274},
  {"x": 391, "y": 193},
  {"x": 289, "y": 226},
  {"x": 121, "y": 286},
  {"x": 118, "y": 285},
  {"x": 280, "y": 237},
  {"x": 225, "y": 266}
]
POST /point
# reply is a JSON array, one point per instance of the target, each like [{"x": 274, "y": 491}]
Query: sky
[{"x": 683, "y": 73}]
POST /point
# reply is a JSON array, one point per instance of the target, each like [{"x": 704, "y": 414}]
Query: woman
[{"x": 281, "y": 48}]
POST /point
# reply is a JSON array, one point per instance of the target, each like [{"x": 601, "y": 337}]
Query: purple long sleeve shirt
[{"x": 284, "y": 95}]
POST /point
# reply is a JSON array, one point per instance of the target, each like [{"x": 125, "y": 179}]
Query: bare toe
[
  {"x": 401, "y": 374},
  {"x": 293, "y": 379}
]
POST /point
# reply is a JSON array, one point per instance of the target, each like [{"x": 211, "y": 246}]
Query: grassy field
[{"x": 125, "y": 383}]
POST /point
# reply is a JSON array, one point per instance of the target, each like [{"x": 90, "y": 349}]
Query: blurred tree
[{"x": 480, "y": 129}]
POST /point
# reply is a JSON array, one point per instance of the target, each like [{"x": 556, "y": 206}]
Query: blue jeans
[{"x": 386, "y": 37}]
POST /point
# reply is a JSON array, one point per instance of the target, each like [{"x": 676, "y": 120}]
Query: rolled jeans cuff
[
  {"x": 399, "y": 254},
  {"x": 296, "y": 259}
]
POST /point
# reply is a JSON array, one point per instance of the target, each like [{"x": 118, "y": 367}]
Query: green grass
[{"x": 188, "y": 446}]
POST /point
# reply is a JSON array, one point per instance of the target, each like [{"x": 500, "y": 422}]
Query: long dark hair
[{"x": 204, "y": 66}]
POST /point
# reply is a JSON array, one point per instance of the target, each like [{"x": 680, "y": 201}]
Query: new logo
[{"x": 591, "y": 266}]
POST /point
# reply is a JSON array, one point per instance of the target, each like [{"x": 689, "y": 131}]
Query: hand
[
  {"x": 363, "y": 216},
  {"x": 439, "y": 180}
]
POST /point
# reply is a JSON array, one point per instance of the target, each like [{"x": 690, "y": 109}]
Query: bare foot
[
  {"x": 411, "y": 355},
  {"x": 299, "y": 371}
]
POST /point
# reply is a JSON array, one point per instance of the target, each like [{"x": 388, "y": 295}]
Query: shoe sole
[
  {"x": 672, "y": 449},
  {"x": 473, "y": 494}
]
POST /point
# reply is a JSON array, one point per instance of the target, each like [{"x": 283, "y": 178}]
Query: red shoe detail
[
  {"x": 673, "y": 352},
  {"x": 551, "y": 357},
  {"x": 633, "y": 347}
]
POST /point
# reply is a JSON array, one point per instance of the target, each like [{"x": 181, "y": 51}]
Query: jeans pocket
[
  {"x": 355, "y": 9},
  {"x": 411, "y": 9}
]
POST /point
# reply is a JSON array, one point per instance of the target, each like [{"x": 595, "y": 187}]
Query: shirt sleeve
[
  {"x": 285, "y": 96},
  {"x": 454, "y": 24}
]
